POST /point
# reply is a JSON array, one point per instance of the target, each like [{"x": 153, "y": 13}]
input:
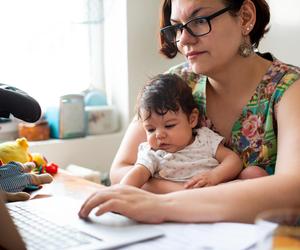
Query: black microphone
[{"x": 18, "y": 103}]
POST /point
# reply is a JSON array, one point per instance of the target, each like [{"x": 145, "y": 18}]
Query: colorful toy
[
  {"x": 51, "y": 168},
  {"x": 20, "y": 169},
  {"x": 18, "y": 151},
  {"x": 42, "y": 165},
  {"x": 40, "y": 162}
]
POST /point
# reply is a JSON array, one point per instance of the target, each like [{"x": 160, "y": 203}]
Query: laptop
[{"x": 53, "y": 223}]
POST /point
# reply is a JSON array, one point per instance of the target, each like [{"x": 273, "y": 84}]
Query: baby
[{"x": 176, "y": 148}]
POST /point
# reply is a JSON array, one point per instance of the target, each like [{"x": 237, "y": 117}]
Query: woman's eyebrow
[{"x": 193, "y": 14}]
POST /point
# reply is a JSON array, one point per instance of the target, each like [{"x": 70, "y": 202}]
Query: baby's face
[{"x": 170, "y": 132}]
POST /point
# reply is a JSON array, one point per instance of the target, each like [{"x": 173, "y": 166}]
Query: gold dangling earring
[{"x": 246, "y": 49}]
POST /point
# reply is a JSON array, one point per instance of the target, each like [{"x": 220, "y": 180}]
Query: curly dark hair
[
  {"x": 260, "y": 28},
  {"x": 163, "y": 93}
]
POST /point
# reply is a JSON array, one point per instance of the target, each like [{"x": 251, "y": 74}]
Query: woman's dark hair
[
  {"x": 163, "y": 93},
  {"x": 170, "y": 50}
]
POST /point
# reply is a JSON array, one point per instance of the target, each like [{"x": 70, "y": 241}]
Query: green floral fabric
[{"x": 254, "y": 134}]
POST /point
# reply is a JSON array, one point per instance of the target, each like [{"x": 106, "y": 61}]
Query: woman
[{"x": 248, "y": 98}]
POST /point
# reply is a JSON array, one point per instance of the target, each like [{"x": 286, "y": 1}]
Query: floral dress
[{"x": 254, "y": 134}]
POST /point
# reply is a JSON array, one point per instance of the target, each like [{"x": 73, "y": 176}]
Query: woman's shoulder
[
  {"x": 282, "y": 75},
  {"x": 281, "y": 72},
  {"x": 286, "y": 67}
]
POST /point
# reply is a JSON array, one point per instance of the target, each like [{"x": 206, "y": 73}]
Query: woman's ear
[
  {"x": 194, "y": 118},
  {"x": 248, "y": 17}
]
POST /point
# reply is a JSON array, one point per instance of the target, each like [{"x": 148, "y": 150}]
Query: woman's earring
[{"x": 246, "y": 49}]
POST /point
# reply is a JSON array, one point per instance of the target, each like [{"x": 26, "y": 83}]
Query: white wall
[
  {"x": 283, "y": 39},
  {"x": 144, "y": 59},
  {"x": 131, "y": 56}
]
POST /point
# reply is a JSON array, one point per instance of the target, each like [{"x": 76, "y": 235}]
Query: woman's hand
[{"x": 130, "y": 201}]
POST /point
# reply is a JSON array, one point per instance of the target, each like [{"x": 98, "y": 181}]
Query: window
[{"x": 49, "y": 48}]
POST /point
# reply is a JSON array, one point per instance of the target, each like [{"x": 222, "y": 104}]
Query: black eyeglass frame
[{"x": 185, "y": 26}]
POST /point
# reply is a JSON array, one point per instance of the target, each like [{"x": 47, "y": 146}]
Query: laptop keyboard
[{"x": 40, "y": 233}]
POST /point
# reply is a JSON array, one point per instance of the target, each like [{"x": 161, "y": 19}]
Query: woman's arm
[{"x": 126, "y": 158}]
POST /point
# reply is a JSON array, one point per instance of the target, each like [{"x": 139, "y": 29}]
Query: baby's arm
[
  {"x": 230, "y": 164},
  {"x": 137, "y": 176},
  {"x": 229, "y": 168}
]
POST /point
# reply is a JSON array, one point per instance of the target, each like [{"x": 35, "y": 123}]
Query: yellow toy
[
  {"x": 15, "y": 151},
  {"x": 16, "y": 169}
]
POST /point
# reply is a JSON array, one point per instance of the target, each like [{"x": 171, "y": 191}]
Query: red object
[{"x": 51, "y": 168}]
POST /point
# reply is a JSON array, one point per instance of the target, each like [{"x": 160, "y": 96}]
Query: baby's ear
[{"x": 194, "y": 118}]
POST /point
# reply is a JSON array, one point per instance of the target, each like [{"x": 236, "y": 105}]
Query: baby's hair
[{"x": 163, "y": 93}]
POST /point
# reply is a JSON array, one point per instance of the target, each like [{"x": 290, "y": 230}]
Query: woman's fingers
[
  {"x": 99, "y": 198},
  {"x": 93, "y": 201},
  {"x": 90, "y": 197},
  {"x": 113, "y": 205},
  {"x": 83, "y": 212}
]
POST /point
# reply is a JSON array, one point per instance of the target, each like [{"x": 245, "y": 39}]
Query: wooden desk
[{"x": 65, "y": 184}]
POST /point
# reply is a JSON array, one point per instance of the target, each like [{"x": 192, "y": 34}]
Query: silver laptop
[{"x": 53, "y": 223}]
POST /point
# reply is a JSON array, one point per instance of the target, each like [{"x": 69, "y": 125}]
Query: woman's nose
[{"x": 186, "y": 38}]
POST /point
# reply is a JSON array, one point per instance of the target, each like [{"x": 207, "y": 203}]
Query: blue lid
[{"x": 95, "y": 98}]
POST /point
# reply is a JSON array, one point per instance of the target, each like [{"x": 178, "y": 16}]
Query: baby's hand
[{"x": 204, "y": 179}]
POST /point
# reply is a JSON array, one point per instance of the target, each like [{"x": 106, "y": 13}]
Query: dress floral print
[{"x": 254, "y": 134}]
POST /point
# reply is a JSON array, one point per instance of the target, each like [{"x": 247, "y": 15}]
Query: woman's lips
[{"x": 193, "y": 54}]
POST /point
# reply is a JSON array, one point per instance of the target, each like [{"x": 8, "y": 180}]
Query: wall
[
  {"x": 283, "y": 38},
  {"x": 144, "y": 59}
]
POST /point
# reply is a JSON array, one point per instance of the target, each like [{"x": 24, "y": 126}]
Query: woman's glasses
[{"x": 198, "y": 26}]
